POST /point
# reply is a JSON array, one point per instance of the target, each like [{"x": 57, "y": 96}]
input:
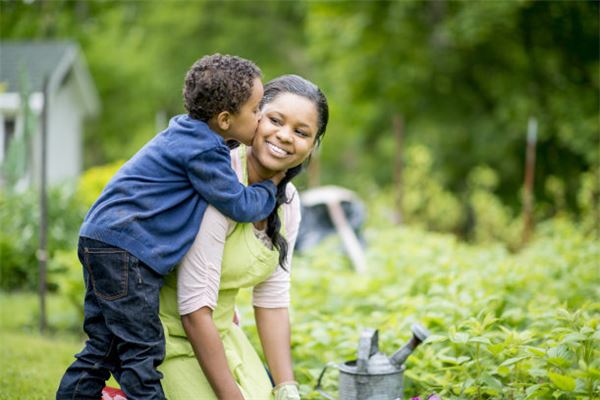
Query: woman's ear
[{"x": 223, "y": 120}]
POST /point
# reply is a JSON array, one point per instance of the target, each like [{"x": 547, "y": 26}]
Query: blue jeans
[{"x": 122, "y": 323}]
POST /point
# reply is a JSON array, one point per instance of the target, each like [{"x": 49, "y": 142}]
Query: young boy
[{"x": 146, "y": 219}]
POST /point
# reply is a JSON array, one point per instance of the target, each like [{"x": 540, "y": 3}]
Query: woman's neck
[{"x": 256, "y": 172}]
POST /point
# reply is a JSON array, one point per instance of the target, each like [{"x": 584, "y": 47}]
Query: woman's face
[{"x": 286, "y": 132}]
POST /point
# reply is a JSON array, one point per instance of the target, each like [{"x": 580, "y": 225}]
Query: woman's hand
[{"x": 287, "y": 391}]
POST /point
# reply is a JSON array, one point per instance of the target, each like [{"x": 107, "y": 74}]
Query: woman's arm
[
  {"x": 273, "y": 326},
  {"x": 198, "y": 279},
  {"x": 208, "y": 347}
]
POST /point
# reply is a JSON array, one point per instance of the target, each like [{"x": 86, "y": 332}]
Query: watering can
[{"x": 374, "y": 376}]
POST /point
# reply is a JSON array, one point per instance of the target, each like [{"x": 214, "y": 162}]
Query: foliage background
[{"x": 464, "y": 77}]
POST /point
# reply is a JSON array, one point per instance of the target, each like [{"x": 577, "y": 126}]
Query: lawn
[{"x": 32, "y": 364}]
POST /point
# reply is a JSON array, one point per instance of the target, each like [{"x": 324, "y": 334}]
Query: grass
[{"x": 32, "y": 364}]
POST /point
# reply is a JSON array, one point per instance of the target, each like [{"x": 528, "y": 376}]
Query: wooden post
[
  {"x": 42, "y": 253},
  {"x": 529, "y": 177},
  {"x": 349, "y": 239},
  {"x": 398, "y": 125}
]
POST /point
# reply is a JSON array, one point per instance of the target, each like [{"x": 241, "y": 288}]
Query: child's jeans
[{"x": 122, "y": 323}]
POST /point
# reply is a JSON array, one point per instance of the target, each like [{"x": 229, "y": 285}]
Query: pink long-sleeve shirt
[{"x": 199, "y": 273}]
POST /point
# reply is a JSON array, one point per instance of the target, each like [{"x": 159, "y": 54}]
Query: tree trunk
[
  {"x": 398, "y": 124},
  {"x": 529, "y": 177}
]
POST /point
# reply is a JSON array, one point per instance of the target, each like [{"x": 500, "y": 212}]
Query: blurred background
[{"x": 431, "y": 107}]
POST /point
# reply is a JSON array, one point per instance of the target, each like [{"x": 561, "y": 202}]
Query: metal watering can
[{"x": 374, "y": 376}]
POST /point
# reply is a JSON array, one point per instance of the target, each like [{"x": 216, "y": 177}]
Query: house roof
[
  {"x": 53, "y": 60},
  {"x": 36, "y": 59}
]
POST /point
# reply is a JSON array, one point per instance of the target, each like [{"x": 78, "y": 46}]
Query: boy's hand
[{"x": 278, "y": 178}]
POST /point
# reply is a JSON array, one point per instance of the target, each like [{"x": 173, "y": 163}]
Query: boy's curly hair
[{"x": 218, "y": 83}]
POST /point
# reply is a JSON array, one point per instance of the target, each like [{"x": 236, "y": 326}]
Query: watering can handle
[
  {"x": 367, "y": 346},
  {"x": 318, "y": 387}
]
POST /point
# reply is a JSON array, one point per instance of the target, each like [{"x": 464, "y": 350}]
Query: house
[{"x": 71, "y": 98}]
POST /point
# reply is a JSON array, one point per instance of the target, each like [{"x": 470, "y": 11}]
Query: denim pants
[{"x": 122, "y": 323}]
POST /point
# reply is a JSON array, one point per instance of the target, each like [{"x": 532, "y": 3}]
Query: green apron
[{"x": 246, "y": 263}]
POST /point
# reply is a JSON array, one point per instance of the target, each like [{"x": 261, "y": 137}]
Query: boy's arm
[{"x": 213, "y": 177}]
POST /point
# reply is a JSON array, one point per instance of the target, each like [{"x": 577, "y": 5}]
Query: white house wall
[{"x": 65, "y": 134}]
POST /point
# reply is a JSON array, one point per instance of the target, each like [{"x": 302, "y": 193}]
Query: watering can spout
[{"x": 420, "y": 333}]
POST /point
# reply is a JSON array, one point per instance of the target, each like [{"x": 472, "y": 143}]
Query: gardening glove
[{"x": 286, "y": 391}]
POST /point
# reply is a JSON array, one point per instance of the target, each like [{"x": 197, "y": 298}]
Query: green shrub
[
  {"x": 66, "y": 275},
  {"x": 588, "y": 199},
  {"x": 93, "y": 180},
  {"x": 19, "y": 218},
  {"x": 492, "y": 221},
  {"x": 506, "y": 325},
  {"x": 476, "y": 214},
  {"x": 18, "y": 269},
  {"x": 425, "y": 202},
  {"x": 19, "y": 239}
]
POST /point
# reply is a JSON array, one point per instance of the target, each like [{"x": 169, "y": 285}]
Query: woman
[{"x": 207, "y": 355}]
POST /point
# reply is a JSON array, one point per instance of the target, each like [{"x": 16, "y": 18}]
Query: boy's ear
[{"x": 224, "y": 120}]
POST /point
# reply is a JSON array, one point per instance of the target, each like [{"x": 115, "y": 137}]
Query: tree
[{"x": 466, "y": 77}]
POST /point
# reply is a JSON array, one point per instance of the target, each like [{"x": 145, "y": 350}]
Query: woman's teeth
[{"x": 277, "y": 150}]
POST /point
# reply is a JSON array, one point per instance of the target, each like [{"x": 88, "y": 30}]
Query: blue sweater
[{"x": 154, "y": 204}]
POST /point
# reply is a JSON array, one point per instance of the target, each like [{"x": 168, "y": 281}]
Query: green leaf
[
  {"x": 496, "y": 349},
  {"x": 586, "y": 330},
  {"x": 514, "y": 360},
  {"x": 574, "y": 338},
  {"x": 563, "y": 382},
  {"x": 536, "y": 351},
  {"x": 436, "y": 339},
  {"x": 594, "y": 373},
  {"x": 537, "y": 373},
  {"x": 454, "y": 360},
  {"x": 492, "y": 382},
  {"x": 535, "y": 390},
  {"x": 560, "y": 356},
  {"x": 480, "y": 339},
  {"x": 559, "y": 362},
  {"x": 460, "y": 337}
]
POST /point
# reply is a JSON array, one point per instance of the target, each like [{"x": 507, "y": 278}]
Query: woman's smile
[{"x": 276, "y": 150}]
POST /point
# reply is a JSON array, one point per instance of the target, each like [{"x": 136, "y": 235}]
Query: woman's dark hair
[
  {"x": 218, "y": 83},
  {"x": 299, "y": 86}
]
